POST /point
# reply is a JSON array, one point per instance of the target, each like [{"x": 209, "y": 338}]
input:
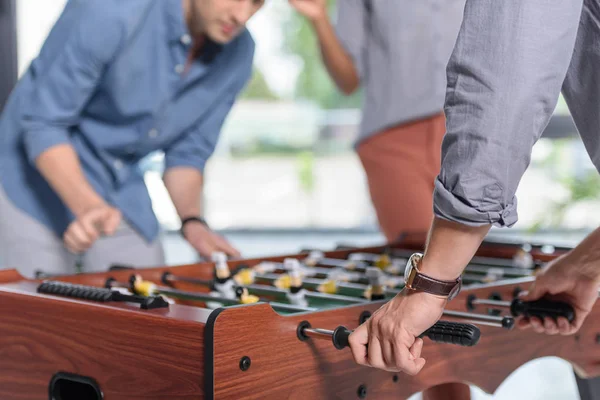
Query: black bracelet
[{"x": 190, "y": 219}]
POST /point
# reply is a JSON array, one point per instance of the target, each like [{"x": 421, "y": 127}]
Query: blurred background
[
  {"x": 285, "y": 177},
  {"x": 284, "y": 174}
]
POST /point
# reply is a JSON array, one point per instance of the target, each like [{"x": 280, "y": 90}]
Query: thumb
[
  {"x": 536, "y": 291},
  {"x": 358, "y": 341},
  {"x": 111, "y": 221},
  {"x": 419, "y": 364}
]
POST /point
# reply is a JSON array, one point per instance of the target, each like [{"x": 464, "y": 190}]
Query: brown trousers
[{"x": 401, "y": 164}]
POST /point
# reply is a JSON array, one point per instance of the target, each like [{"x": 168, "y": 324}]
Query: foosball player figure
[
  {"x": 376, "y": 289},
  {"x": 245, "y": 297},
  {"x": 224, "y": 283},
  {"x": 383, "y": 261},
  {"x": 523, "y": 258},
  {"x": 284, "y": 280},
  {"x": 296, "y": 293},
  {"x": 328, "y": 287},
  {"x": 244, "y": 277},
  {"x": 313, "y": 258},
  {"x": 141, "y": 287}
]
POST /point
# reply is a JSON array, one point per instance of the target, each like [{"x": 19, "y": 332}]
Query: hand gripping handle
[
  {"x": 542, "y": 308},
  {"x": 442, "y": 332}
]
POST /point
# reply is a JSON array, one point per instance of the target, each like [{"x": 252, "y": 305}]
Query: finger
[
  {"x": 358, "y": 344},
  {"x": 204, "y": 245},
  {"x": 416, "y": 348},
  {"x": 80, "y": 237},
  {"x": 96, "y": 214},
  {"x": 387, "y": 355},
  {"x": 70, "y": 243},
  {"x": 536, "y": 291},
  {"x": 90, "y": 229},
  {"x": 580, "y": 316},
  {"x": 407, "y": 364},
  {"x": 550, "y": 326},
  {"x": 563, "y": 326},
  {"x": 224, "y": 246},
  {"x": 205, "y": 249},
  {"x": 523, "y": 323},
  {"x": 572, "y": 330},
  {"x": 374, "y": 355},
  {"x": 111, "y": 222},
  {"x": 536, "y": 324}
]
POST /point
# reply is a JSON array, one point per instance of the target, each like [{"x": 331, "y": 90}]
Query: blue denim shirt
[{"x": 109, "y": 81}]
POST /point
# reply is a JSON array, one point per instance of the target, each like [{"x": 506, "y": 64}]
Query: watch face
[
  {"x": 410, "y": 266},
  {"x": 407, "y": 269}
]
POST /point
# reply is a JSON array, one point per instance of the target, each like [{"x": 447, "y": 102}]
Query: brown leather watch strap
[{"x": 427, "y": 284}]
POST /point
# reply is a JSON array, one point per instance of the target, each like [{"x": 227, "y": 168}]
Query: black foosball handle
[
  {"x": 442, "y": 332},
  {"x": 541, "y": 309},
  {"x": 97, "y": 294},
  {"x": 457, "y": 333}
]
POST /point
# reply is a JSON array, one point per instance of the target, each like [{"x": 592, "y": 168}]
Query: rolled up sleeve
[
  {"x": 350, "y": 28},
  {"x": 504, "y": 78},
  {"x": 195, "y": 147},
  {"x": 53, "y": 107}
]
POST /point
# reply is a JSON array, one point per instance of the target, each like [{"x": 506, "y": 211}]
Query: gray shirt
[
  {"x": 511, "y": 60},
  {"x": 400, "y": 49}
]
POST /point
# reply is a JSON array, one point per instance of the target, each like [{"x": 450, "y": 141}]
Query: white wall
[{"x": 34, "y": 21}]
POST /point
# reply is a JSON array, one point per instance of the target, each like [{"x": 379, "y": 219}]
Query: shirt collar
[{"x": 177, "y": 29}]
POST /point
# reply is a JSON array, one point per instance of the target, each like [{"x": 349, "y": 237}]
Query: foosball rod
[
  {"x": 473, "y": 272},
  {"x": 539, "y": 308},
  {"x": 196, "y": 296},
  {"x": 442, "y": 332},
  {"x": 269, "y": 290},
  {"x": 482, "y": 319},
  {"x": 475, "y": 261},
  {"x": 315, "y": 283}
]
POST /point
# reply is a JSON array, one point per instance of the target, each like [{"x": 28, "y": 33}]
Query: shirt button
[
  {"x": 153, "y": 133},
  {"x": 186, "y": 39},
  {"x": 179, "y": 68},
  {"x": 118, "y": 164}
]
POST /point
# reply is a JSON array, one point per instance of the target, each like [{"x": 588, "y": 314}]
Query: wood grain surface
[
  {"x": 171, "y": 354},
  {"x": 133, "y": 354},
  {"x": 283, "y": 367}
]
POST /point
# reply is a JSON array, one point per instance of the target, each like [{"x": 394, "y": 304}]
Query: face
[{"x": 221, "y": 20}]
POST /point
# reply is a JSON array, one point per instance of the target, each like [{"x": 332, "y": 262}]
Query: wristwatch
[{"x": 415, "y": 280}]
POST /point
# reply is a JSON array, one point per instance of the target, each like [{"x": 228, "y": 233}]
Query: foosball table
[{"x": 270, "y": 328}]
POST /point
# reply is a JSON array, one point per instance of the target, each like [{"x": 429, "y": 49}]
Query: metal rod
[
  {"x": 493, "y": 303},
  {"x": 483, "y": 319},
  {"x": 512, "y": 271},
  {"x": 487, "y": 323},
  {"x": 341, "y": 263},
  {"x": 337, "y": 297},
  {"x": 196, "y": 281},
  {"x": 479, "y": 317},
  {"x": 476, "y": 260},
  {"x": 318, "y": 333}
]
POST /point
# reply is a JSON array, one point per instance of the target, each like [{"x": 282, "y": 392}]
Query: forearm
[
  {"x": 184, "y": 185},
  {"x": 450, "y": 247},
  {"x": 60, "y": 166},
  {"x": 337, "y": 61},
  {"x": 586, "y": 256}
]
